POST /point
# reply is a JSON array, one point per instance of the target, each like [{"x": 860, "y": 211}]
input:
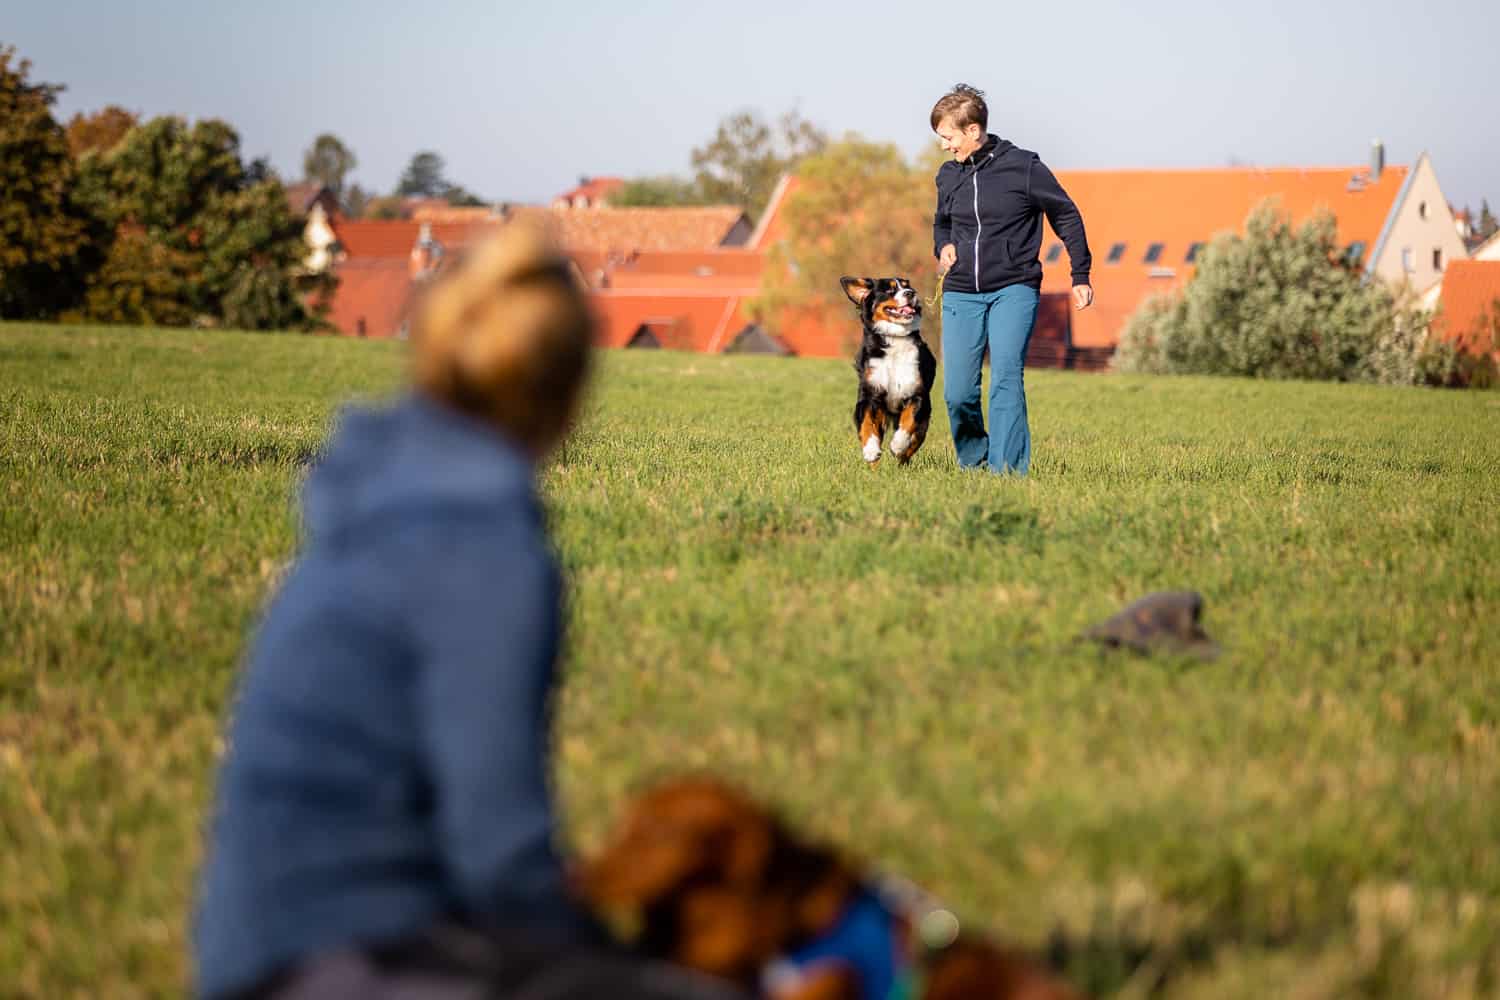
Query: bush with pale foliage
[{"x": 1286, "y": 302}]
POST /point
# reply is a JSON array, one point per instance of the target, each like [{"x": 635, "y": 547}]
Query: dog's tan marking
[{"x": 915, "y": 432}]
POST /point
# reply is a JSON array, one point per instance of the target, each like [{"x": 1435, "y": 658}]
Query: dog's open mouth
[{"x": 899, "y": 313}]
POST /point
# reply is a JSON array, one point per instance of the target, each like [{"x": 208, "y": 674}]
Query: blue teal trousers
[{"x": 1001, "y": 320}]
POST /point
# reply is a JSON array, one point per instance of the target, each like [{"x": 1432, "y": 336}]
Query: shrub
[{"x": 1286, "y": 302}]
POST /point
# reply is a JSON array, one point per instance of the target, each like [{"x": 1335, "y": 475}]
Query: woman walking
[{"x": 987, "y": 232}]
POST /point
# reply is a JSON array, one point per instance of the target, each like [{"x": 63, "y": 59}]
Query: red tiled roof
[
  {"x": 729, "y": 272},
  {"x": 372, "y": 291},
  {"x": 366, "y": 238},
  {"x": 704, "y": 322},
  {"x": 772, "y": 225},
  {"x": 623, "y": 230},
  {"x": 436, "y": 210},
  {"x": 1471, "y": 291},
  {"x": 618, "y": 231},
  {"x": 592, "y": 189},
  {"x": 301, "y": 196},
  {"x": 1180, "y": 207}
]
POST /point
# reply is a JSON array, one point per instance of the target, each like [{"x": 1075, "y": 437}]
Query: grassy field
[{"x": 887, "y": 655}]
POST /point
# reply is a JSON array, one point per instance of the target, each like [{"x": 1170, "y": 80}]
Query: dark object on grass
[{"x": 1166, "y": 621}]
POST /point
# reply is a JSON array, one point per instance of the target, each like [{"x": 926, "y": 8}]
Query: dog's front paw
[
  {"x": 900, "y": 441},
  {"x": 872, "y": 449}
]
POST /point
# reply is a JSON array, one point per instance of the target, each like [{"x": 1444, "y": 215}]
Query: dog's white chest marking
[{"x": 897, "y": 371}]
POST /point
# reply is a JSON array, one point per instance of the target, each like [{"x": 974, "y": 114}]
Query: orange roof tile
[
  {"x": 441, "y": 211},
  {"x": 592, "y": 189},
  {"x": 1471, "y": 292},
  {"x": 622, "y": 230},
  {"x": 364, "y": 238},
  {"x": 1178, "y": 208},
  {"x": 702, "y": 322},
  {"x": 606, "y": 231},
  {"x": 371, "y": 297},
  {"x": 301, "y": 196}
]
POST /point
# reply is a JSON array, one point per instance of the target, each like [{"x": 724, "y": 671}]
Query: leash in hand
[{"x": 936, "y": 302}]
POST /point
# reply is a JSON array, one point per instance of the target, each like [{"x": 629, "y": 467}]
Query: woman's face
[{"x": 960, "y": 142}]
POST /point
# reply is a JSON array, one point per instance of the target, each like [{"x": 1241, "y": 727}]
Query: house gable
[{"x": 1419, "y": 239}]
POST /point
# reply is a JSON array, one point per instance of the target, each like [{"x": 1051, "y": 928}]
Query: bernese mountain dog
[{"x": 896, "y": 367}]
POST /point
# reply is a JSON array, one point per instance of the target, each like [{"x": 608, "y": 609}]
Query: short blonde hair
[
  {"x": 964, "y": 105},
  {"x": 506, "y": 336}
]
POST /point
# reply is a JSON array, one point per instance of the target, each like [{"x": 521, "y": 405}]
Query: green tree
[
  {"x": 456, "y": 194},
  {"x": 220, "y": 228},
  {"x": 142, "y": 282},
  {"x": 741, "y": 164},
  {"x": 329, "y": 162},
  {"x": 101, "y": 131},
  {"x": 356, "y": 201},
  {"x": 656, "y": 192},
  {"x": 859, "y": 210},
  {"x": 1487, "y": 223},
  {"x": 423, "y": 177},
  {"x": 386, "y": 207},
  {"x": 1280, "y": 302},
  {"x": 45, "y": 236}
]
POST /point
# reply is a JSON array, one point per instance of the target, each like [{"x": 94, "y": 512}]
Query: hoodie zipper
[{"x": 978, "y": 226}]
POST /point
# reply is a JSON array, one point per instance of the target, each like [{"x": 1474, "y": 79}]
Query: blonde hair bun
[{"x": 505, "y": 334}]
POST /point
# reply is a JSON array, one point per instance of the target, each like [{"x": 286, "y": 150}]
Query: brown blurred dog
[{"x": 716, "y": 883}]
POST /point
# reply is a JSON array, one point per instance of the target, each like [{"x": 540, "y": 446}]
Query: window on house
[
  {"x": 1192, "y": 253},
  {"x": 1115, "y": 253},
  {"x": 1408, "y": 262},
  {"x": 1153, "y": 252},
  {"x": 1437, "y": 258},
  {"x": 1422, "y": 211},
  {"x": 1054, "y": 253},
  {"x": 1355, "y": 254}
]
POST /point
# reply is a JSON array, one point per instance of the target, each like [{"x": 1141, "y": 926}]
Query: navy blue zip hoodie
[
  {"x": 990, "y": 208},
  {"x": 387, "y": 760}
]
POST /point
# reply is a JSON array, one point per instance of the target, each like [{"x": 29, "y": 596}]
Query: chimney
[
  {"x": 424, "y": 253},
  {"x": 1377, "y": 159}
]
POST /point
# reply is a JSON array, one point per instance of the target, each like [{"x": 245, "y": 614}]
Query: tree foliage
[
  {"x": 747, "y": 155},
  {"x": 1282, "y": 302},
  {"x": 101, "y": 131},
  {"x": 423, "y": 177},
  {"x": 45, "y": 236},
  {"x": 1487, "y": 225},
  {"x": 655, "y": 192},
  {"x": 329, "y": 162},
  {"x": 740, "y": 165},
  {"x": 859, "y": 209},
  {"x": 178, "y": 197}
]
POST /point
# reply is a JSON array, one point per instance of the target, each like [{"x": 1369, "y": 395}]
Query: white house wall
[{"x": 1422, "y": 224}]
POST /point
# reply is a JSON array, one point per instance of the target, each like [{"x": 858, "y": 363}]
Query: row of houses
[{"x": 682, "y": 278}]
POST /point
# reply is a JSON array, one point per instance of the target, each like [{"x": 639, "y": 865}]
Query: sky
[{"x": 522, "y": 99}]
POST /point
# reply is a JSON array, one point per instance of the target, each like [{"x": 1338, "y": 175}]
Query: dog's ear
[
  {"x": 679, "y": 829},
  {"x": 858, "y": 289},
  {"x": 641, "y": 864}
]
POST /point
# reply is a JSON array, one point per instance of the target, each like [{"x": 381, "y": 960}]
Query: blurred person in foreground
[{"x": 383, "y": 823}]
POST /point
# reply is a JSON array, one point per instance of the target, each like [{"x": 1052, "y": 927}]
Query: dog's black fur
[{"x": 896, "y": 367}]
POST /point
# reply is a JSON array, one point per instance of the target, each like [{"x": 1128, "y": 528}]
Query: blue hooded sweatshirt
[{"x": 387, "y": 764}]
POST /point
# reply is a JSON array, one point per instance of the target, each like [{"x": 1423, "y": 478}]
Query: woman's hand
[
  {"x": 947, "y": 257},
  {"x": 1083, "y": 296}
]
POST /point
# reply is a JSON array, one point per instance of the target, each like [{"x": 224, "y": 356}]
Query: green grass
[{"x": 889, "y": 656}]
